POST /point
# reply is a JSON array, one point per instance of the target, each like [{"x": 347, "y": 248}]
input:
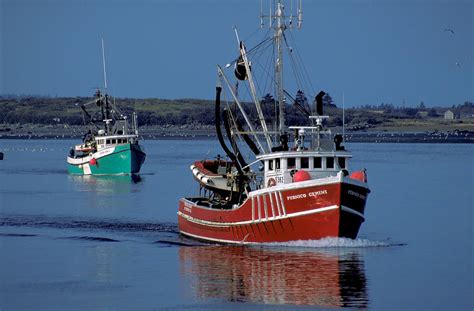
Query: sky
[{"x": 401, "y": 52}]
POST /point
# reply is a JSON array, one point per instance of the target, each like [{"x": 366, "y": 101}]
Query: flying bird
[{"x": 450, "y": 30}]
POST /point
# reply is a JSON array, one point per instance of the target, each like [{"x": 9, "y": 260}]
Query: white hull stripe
[
  {"x": 259, "y": 208},
  {"x": 87, "y": 169},
  {"x": 270, "y": 195},
  {"x": 277, "y": 201},
  {"x": 96, "y": 155},
  {"x": 264, "y": 197},
  {"x": 215, "y": 240},
  {"x": 253, "y": 208},
  {"x": 350, "y": 210},
  {"x": 248, "y": 222},
  {"x": 282, "y": 203}
]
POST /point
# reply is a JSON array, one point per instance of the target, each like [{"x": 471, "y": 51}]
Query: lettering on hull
[
  {"x": 305, "y": 195},
  {"x": 358, "y": 195}
]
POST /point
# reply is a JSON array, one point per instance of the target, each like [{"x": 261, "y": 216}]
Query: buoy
[
  {"x": 93, "y": 161},
  {"x": 271, "y": 182},
  {"x": 301, "y": 175},
  {"x": 359, "y": 175}
]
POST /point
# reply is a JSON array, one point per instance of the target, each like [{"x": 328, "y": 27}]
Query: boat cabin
[
  {"x": 279, "y": 168},
  {"x": 322, "y": 156},
  {"x": 103, "y": 142}
]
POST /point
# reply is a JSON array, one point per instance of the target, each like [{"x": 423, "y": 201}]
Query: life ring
[{"x": 271, "y": 182}]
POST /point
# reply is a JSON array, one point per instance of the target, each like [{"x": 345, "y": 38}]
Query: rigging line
[
  {"x": 295, "y": 71},
  {"x": 242, "y": 111},
  {"x": 296, "y": 67},
  {"x": 257, "y": 47},
  {"x": 268, "y": 76},
  {"x": 265, "y": 74},
  {"x": 252, "y": 50},
  {"x": 300, "y": 59},
  {"x": 226, "y": 100},
  {"x": 250, "y": 106},
  {"x": 298, "y": 76},
  {"x": 307, "y": 77},
  {"x": 239, "y": 136},
  {"x": 256, "y": 58},
  {"x": 253, "y": 34}
]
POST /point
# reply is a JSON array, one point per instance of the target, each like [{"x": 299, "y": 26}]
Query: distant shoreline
[{"x": 32, "y": 131}]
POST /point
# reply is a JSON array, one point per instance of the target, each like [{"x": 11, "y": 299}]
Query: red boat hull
[{"x": 308, "y": 210}]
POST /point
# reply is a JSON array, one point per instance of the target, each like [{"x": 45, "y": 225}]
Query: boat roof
[
  {"x": 305, "y": 153},
  {"x": 116, "y": 136}
]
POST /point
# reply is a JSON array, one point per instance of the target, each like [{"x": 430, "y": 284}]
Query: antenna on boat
[
  {"x": 103, "y": 63},
  {"x": 300, "y": 14},
  {"x": 290, "y": 19},
  {"x": 343, "y": 118},
  {"x": 270, "y": 15}
]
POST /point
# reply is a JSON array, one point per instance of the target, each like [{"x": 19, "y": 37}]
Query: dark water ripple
[
  {"x": 32, "y": 171},
  {"x": 90, "y": 238},
  {"x": 17, "y": 235},
  {"x": 180, "y": 243},
  {"x": 70, "y": 223}
]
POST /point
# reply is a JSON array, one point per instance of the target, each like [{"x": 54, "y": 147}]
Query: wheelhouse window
[
  {"x": 342, "y": 162},
  {"x": 317, "y": 162},
  {"x": 108, "y": 141},
  {"x": 304, "y": 162},
  {"x": 329, "y": 162},
  {"x": 277, "y": 164},
  {"x": 114, "y": 141},
  {"x": 270, "y": 165},
  {"x": 291, "y": 162}
]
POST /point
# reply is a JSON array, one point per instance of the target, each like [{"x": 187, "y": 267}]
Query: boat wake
[{"x": 333, "y": 243}]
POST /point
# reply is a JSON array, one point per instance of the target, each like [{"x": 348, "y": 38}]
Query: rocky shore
[{"x": 196, "y": 131}]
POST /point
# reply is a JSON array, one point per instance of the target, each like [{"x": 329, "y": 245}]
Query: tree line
[{"x": 47, "y": 110}]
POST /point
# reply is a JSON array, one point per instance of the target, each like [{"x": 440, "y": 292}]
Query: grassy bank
[{"x": 63, "y": 118}]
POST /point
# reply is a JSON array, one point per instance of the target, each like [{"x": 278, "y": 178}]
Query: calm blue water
[{"x": 71, "y": 243}]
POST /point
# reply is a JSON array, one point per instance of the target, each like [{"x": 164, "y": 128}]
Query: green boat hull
[{"x": 125, "y": 159}]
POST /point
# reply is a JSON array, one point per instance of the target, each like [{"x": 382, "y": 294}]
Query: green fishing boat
[
  {"x": 111, "y": 150},
  {"x": 111, "y": 146}
]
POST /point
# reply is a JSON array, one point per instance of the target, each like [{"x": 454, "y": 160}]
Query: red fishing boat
[{"x": 298, "y": 186}]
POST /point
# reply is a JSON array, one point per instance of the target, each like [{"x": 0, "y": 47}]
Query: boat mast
[
  {"x": 103, "y": 63},
  {"x": 280, "y": 28},
  {"x": 107, "y": 119}
]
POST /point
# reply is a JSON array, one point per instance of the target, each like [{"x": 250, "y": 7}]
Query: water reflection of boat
[
  {"x": 276, "y": 276},
  {"x": 106, "y": 183}
]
